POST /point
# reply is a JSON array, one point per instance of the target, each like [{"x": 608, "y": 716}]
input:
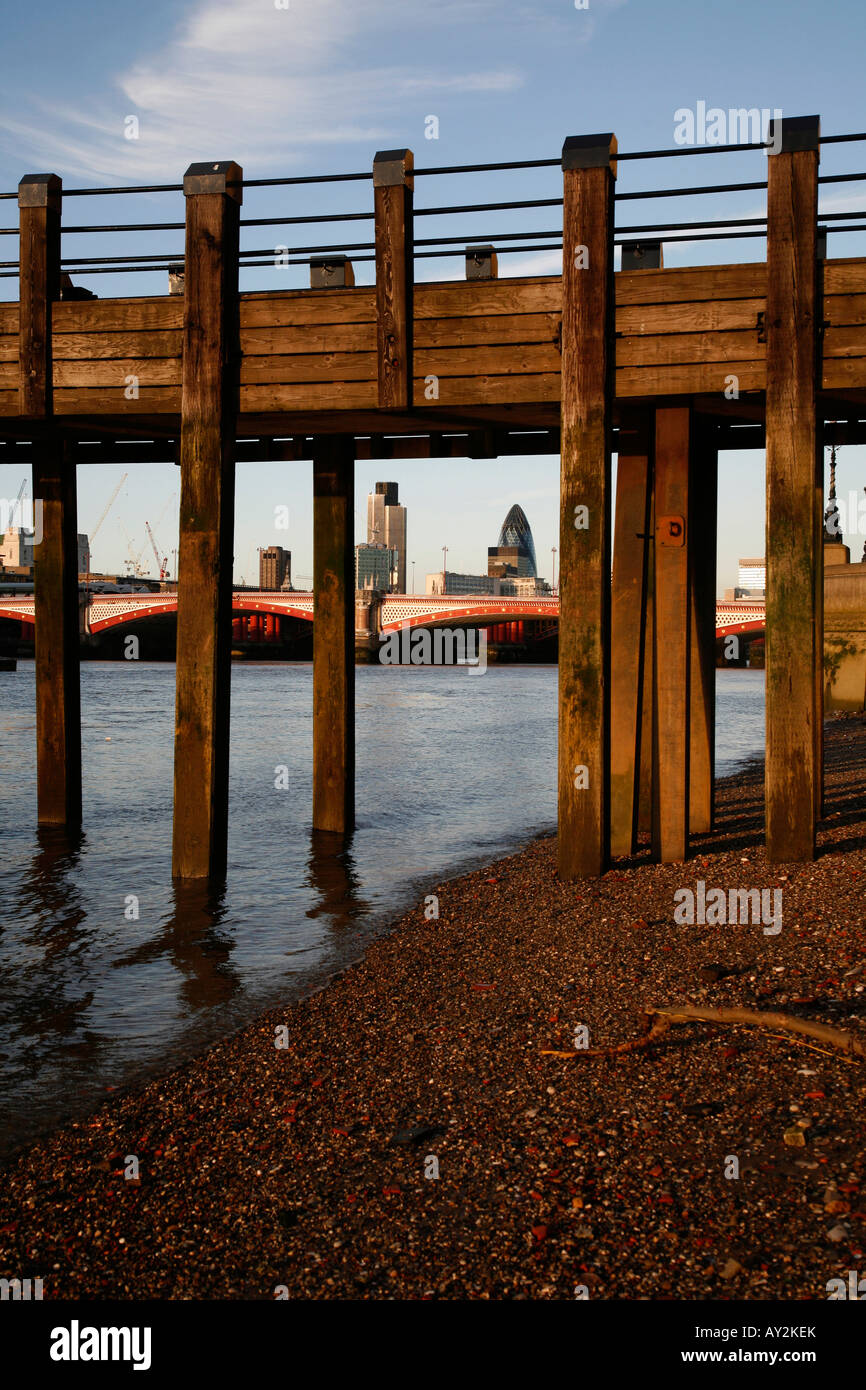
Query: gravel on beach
[{"x": 413, "y": 1139}]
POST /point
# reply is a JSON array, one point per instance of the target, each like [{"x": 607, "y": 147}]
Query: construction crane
[
  {"x": 160, "y": 564},
  {"x": 107, "y": 508}
]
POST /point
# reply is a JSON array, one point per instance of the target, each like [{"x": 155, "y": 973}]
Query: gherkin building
[{"x": 516, "y": 531}]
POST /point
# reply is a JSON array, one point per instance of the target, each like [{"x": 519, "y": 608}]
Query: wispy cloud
[{"x": 242, "y": 79}]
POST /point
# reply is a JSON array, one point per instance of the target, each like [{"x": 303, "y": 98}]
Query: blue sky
[{"x": 318, "y": 87}]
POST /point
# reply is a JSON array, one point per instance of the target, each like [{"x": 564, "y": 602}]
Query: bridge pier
[
  {"x": 589, "y": 170},
  {"x": 794, "y": 771},
  {"x": 333, "y": 633},
  {"x": 703, "y": 505},
  {"x": 204, "y": 598},
  {"x": 56, "y": 611},
  {"x": 631, "y": 635}
]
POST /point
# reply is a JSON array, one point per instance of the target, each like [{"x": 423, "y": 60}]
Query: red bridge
[{"x": 104, "y": 611}]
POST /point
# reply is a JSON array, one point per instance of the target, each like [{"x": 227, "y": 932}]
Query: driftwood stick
[
  {"x": 834, "y": 1037},
  {"x": 659, "y": 1019}
]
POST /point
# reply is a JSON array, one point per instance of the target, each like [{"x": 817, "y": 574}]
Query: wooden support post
[
  {"x": 333, "y": 633},
  {"x": 703, "y": 508},
  {"x": 631, "y": 548},
  {"x": 672, "y": 621},
  {"x": 645, "y": 797},
  {"x": 393, "y": 184},
  {"x": 589, "y": 171},
  {"x": 204, "y": 601},
  {"x": 55, "y": 551},
  {"x": 794, "y": 494}
]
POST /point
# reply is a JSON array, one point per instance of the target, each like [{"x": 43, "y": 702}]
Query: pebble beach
[{"x": 424, "y": 1127}]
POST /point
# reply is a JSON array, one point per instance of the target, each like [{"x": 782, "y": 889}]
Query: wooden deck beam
[
  {"x": 333, "y": 635},
  {"x": 58, "y": 697},
  {"x": 794, "y": 495},
  {"x": 589, "y": 171},
  {"x": 204, "y": 629}
]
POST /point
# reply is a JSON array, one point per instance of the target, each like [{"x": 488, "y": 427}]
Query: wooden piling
[
  {"x": 589, "y": 171},
  {"x": 333, "y": 633},
  {"x": 55, "y": 554},
  {"x": 628, "y": 626},
  {"x": 208, "y": 423},
  {"x": 393, "y": 184},
  {"x": 671, "y": 635},
  {"x": 703, "y": 507},
  {"x": 794, "y": 641}
]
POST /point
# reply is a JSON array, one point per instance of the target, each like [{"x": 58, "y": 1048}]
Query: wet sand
[{"x": 311, "y": 1168}]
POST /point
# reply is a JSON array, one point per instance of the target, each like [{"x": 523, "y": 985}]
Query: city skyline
[{"x": 309, "y": 95}]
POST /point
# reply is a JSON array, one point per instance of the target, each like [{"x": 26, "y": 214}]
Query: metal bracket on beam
[
  {"x": 481, "y": 263},
  {"x": 331, "y": 272},
  {"x": 392, "y": 168},
  {"x": 798, "y": 133},
  {"x": 590, "y": 152},
  {"x": 222, "y": 176},
  {"x": 641, "y": 255}
]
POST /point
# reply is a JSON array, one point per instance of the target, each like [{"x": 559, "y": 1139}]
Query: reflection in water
[
  {"x": 90, "y": 1000},
  {"x": 194, "y": 946},
  {"x": 333, "y": 876}
]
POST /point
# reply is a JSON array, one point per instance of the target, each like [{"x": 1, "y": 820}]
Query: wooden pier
[{"x": 664, "y": 366}]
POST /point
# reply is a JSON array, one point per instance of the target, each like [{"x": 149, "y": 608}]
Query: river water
[{"x": 452, "y": 770}]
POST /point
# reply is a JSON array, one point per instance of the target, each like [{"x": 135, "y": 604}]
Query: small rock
[
  {"x": 838, "y": 1234},
  {"x": 795, "y": 1138},
  {"x": 731, "y": 1267}
]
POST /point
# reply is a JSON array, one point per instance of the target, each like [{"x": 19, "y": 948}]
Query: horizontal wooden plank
[
  {"x": 846, "y": 276},
  {"x": 338, "y": 395},
  {"x": 498, "y": 360},
  {"x": 113, "y": 372},
  {"x": 682, "y": 285},
  {"x": 9, "y": 347},
  {"x": 9, "y": 318},
  {"x": 666, "y": 349},
  {"x": 8, "y": 376},
  {"x": 327, "y": 337},
  {"x": 117, "y": 315},
  {"x": 841, "y": 309},
  {"x": 847, "y": 341},
  {"x": 8, "y": 402},
  {"x": 844, "y": 373},
  {"x": 81, "y": 400},
  {"x": 308, "y": 306},
  {"x": 690, "y": 379},
  {"x": 325, "y": 366},
  {"x": 693, "y": 316},
  {"x": 459, "y": 299},
  {"x": 490, "y": 390},
  {"x": 139, "y": 343},
  {"x": 487, "y": 328}
]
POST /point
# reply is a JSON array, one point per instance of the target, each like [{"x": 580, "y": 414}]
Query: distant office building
[
  {"x": 376, "y": 567},
  {"x": 386, "y": 526},
  {"x": 524, "y": 586},
  {"x": 472, "y": 584},
  {"x": 752, "y": 579},
  {"x": 17, "y": 549},
  {"x": 275, "y": 568},
  {"x": 515, "y": 552}
]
